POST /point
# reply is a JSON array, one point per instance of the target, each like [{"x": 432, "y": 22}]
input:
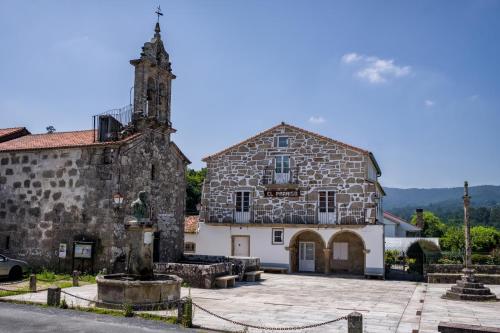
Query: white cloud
[
  {"x": 428, "y": 103},
  {"x": 316, "y": 120},
  {"x": 374, "y": 69},
  {"x": 350, "y": 57}
]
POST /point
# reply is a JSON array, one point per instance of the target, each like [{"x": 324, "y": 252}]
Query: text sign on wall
[
  {"x": 62, "y": 250},
  {"x": 83, "y": 250},
  {"x": 285, "y": 193}
]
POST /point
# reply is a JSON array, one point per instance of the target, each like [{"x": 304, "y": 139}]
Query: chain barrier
[
  {"x": 169, "y": 303},
  {"x": 24, "y": 291},
  {"x": 267, "y": 328}
]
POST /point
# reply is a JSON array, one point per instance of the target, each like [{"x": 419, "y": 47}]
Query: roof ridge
[
  {"x": 292, "y": 127},
  {"x": 11, "y": 128},
  {"x": 65, "y": 132}
]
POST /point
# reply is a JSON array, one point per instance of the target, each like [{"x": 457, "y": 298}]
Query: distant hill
[
  {"x": 447, "y": 203},
  {"x": 451, "y": 198}
]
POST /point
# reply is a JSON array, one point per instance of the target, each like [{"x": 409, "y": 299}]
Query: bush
[
  {"x": 391, "y": 257},
  {"x": 128, "y": 311},
  {"x": 482, "y": 259},
  {"x": 448, "y": 261},
  {"x": 63, "y": 304}
]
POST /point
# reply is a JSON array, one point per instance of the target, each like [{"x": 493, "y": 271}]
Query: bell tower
[{"x": 152, "y": 84}]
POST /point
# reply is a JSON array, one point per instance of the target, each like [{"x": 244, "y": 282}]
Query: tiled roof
[
  {"x": 55, "y": 140},
  {"x": 397, "y": 219},
  {"x": 222, "y": 152},
  {"x": 191, "y": 224},
  {"x": 9, "y": 131},
  {"x": 319, "y": 136}
]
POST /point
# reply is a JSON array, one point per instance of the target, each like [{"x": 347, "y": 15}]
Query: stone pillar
[
  {"x": 33, "y": 283},
  {"x": 420, "y": 219},
  {"x": 75, "y": 278},
  {"x": 326, "y": 253},
  {"x": 468, "y": 272},
  {"x": 355, "y": 323},
  {"x": 140, "y": 236},
  {"x": 53, "y": 296}
]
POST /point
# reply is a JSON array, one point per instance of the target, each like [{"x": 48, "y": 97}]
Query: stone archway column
[
  {"x": 293, "y": 259},
  {"x": 327, "y": 254}
]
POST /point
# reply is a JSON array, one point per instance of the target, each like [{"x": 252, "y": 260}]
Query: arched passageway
[
  {"x": 307, "y": 252},
  {"x": 347, "y": 253}
]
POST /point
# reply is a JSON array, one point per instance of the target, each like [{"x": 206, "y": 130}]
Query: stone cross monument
[{"x": 467, "y": 288}]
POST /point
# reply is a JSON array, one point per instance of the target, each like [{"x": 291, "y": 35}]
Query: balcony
[
  {"x": 271, "y": 177},
  {"x": 312, "y": 215}
]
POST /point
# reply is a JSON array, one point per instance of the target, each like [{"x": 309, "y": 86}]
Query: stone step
[
  {"x": 467, "y": 297},
  {"x": 471, "y": 291},
  {"x": 465, "y": 284}
]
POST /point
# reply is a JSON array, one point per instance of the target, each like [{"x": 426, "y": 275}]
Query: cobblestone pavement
[{"x": 296, "y": 300}]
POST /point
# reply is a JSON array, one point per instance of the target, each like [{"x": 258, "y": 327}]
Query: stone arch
[
  {"x": 307, "y": 235},
  {"x": 352, "y": 261},
  {"x": 151, "y": 97}
]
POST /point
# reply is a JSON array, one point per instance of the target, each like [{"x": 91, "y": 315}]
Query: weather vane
[{"x": 159, "y": 13}]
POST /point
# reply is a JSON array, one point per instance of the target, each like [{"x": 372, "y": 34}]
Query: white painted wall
[{"x": 216, "y": 240}]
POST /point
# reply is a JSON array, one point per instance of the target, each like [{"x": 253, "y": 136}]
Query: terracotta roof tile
[
  {"x": 55, "y": 140},
  {"x": 9, "y": 131},
  {"x": 191, "y": 224},
  {"x": 293, "y": 128}
]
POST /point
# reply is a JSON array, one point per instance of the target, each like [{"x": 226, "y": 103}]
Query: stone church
[{"x": 64, "y": 195}]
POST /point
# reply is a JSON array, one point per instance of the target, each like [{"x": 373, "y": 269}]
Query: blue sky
[{"x": 417, "y": 83}]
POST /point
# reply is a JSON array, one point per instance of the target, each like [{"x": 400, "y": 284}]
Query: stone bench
[
  {"x": 465, "y": 328},
  {"x": 274, "y": 269},
  {"x": 225, "y": 281},
  {"x": 253, "y": 276}
]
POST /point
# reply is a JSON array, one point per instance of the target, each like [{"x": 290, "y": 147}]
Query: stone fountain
[{"x": 138, "y": 287}]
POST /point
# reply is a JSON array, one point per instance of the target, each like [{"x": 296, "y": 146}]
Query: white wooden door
[
  {"x": 326, "y": 207},
  {"x": 306, "y": 256},
  {"x": 241, "y": 246},
  {"x": 242, "y": 210}
]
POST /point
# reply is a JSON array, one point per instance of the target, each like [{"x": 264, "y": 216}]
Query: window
[
  {"x": 189, "y": 247},
  {"x": 282, "y": 142},
  {"x": 242, "y": 201},
  {"x": 282, "y": 164},
  {"x": 326, "y": 201},
  {"x": 340, "y": 251},
  {"x": 277, "y": 236},
  {"x": 372, "y": 172}
]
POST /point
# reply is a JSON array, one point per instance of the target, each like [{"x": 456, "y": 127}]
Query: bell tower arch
[{"x": 152, "y": 85}]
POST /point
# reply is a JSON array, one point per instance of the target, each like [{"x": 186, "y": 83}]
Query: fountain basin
[{"x": 115, "y": 290}]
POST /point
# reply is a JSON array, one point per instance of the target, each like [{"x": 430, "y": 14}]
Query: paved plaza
[{"x": 296, "y": 300}]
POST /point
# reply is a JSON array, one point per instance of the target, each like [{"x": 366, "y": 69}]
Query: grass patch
[
  {"x": 150, "y": 316},
  {"x": 115, "y": 313},
  {"x": 49, "y": 276}
]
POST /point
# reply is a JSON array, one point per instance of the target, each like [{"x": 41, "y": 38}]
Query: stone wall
[
  {"x": 196, "y": 275},
  {"x": 54, "y": 196},
  {"x": 320, "y": 164},
  {"x": 457, "y": 268}
]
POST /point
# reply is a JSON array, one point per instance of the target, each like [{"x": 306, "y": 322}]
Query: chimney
[{"x": 420, "y": 218}]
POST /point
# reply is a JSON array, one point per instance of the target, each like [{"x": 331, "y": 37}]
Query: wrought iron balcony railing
[
  {"x": 309, "y": 215},
  {"x": 270, "y": 176}
]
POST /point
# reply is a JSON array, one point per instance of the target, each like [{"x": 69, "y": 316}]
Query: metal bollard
[
  {"x": 53, "y": 296},
  {"x": 355, "y": 323},
  {"x": 33, "y": 283},
  {"x": 75, "y": 278}
]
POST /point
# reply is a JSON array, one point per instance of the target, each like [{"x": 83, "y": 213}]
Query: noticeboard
[{"x": 83, "y": 250}]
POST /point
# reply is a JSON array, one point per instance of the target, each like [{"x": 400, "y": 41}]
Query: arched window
[{"x": 162, "y": 94}]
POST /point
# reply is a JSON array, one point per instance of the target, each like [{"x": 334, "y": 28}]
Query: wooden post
[
  {"x": 180, "y": 311},
  {"x": 75, "y": 278},
  {"x": 355, "y": 323},
  {"x": 53, "y": 296},
  {"x": 33, "y": 283}
]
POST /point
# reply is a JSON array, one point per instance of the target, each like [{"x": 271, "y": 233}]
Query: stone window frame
[
  {"x": 277, "y": 141},
  {"x": 273, "y": 237},
  {"x": 187, "y": 250}
]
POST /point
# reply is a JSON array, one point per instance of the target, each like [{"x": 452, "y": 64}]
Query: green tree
[
  {"x": 433, "y": 226},
  {"x": 194, "y": 179},
  {"x": 483, "y": 239}
]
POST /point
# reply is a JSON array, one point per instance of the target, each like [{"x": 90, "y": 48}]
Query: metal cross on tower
[{"x": 159, "y": 13}]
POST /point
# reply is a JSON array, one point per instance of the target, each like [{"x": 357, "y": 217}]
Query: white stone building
[{"x": 295, "y": 199}]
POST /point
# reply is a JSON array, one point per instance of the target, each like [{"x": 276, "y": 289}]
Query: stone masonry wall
[
  {"x": 48, "y": 197},
  {"x": 322, "y": 165}
]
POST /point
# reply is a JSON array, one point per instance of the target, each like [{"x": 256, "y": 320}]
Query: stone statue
[{"x": 140, "y": 208}]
